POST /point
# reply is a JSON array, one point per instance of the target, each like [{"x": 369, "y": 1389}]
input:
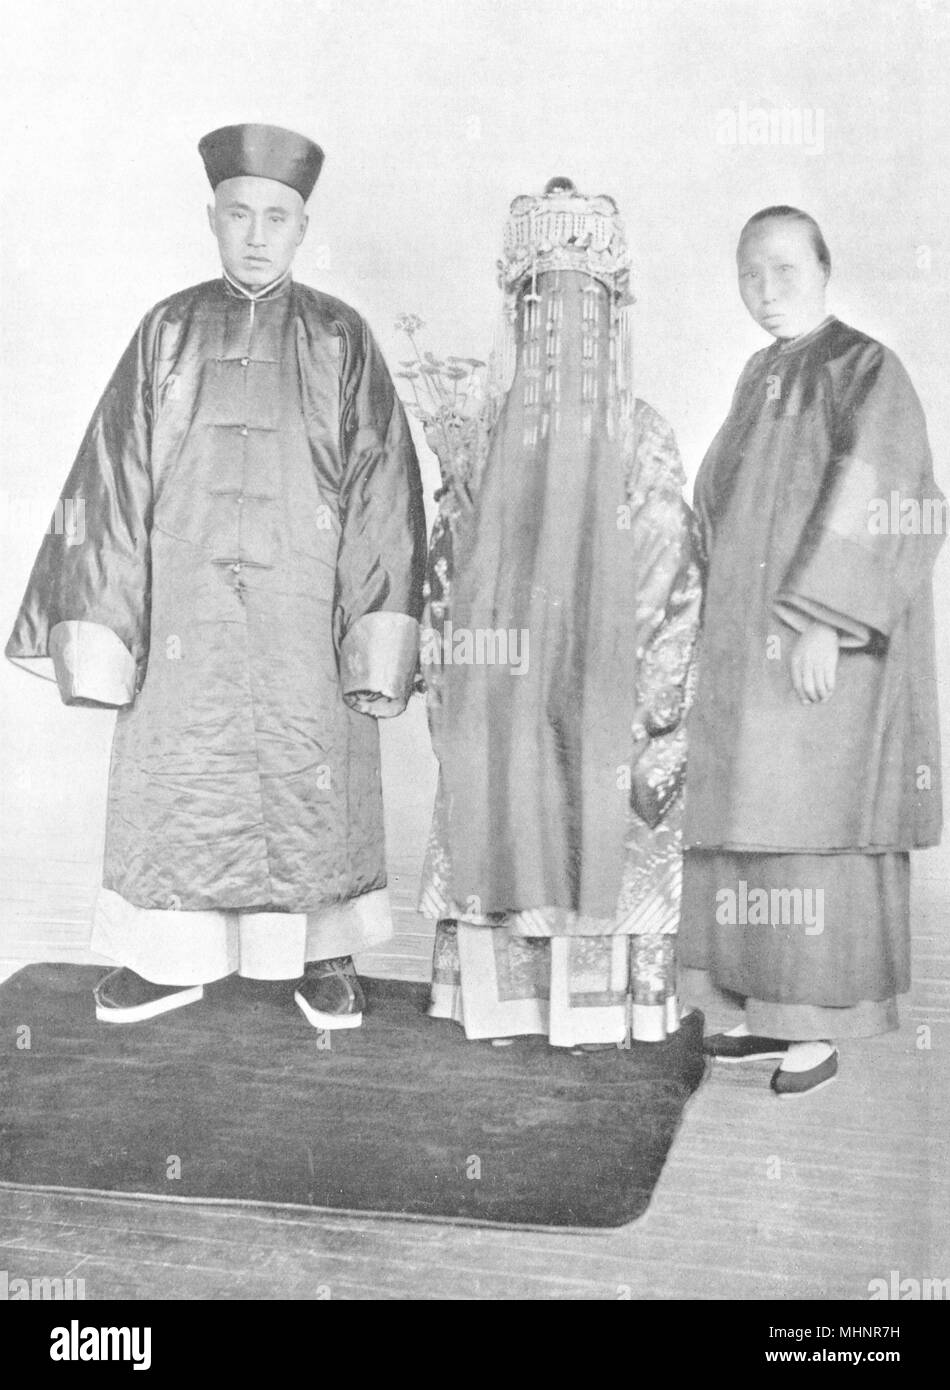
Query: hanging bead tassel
[
  {"x": 623, "y": 409},
  {"x": 625, "y": 352},
  {"x": 504, "y": 354},
  {"x": 531, "y": 358}
]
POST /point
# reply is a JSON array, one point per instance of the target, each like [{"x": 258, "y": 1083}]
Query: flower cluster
[
  {"x": 448, "y": 397},
  {"x": 438, "y": 384}
]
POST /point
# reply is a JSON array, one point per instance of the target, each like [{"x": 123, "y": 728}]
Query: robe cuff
[
  {"x": 798, "y": 612},
  {"x": 844, "y": 577},
  {"x": 378, "y": 658},
  {"x": 91, "y": 664}
]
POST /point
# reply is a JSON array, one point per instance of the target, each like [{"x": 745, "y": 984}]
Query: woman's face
[{"x": 781, "y": 280}]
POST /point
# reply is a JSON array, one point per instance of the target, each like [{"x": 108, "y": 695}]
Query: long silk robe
[
  {"x": 824, "y": 450},
  {"x": 822, "y": 430},
  {"x": 247, "y": 590}
]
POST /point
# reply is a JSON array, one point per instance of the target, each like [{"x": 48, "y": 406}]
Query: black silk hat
[{"x": 264, "y": 152}]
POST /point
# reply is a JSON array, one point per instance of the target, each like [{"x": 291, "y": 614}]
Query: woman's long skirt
[{"x": 817, "y": 945}]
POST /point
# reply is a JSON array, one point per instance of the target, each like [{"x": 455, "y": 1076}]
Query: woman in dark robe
[
  {"x": 814, "y": 746},
  {"x": 557, "y": 647}
]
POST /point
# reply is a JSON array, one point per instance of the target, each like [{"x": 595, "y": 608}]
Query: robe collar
[
  {"x": 272, "y": 291},
  {"x": 786, "y": 345}
]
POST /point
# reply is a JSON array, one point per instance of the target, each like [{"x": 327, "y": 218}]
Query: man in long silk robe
[
  {"x": 247, "y": 593},
  {"x": 807, "y": 790}
]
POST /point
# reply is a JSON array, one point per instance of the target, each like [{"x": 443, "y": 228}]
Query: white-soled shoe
[
  {"x": 791, "y": 1080},
  {"x": 330, "y": 995},
  {"x": 124, "y": 997}
]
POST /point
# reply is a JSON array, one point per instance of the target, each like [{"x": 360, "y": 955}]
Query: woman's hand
[{"x": 814, "y": 663}]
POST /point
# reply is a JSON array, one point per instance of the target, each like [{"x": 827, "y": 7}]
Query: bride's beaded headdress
[{"x": 563, "y": 229}]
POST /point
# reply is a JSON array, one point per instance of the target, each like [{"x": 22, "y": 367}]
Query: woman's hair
[{"x": 796, "y": 215}]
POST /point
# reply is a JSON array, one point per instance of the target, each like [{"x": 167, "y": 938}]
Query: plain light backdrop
[{"x": 434, "y": 114}]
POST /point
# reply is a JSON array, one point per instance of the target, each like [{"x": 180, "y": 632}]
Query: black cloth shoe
[
  {"x": 726, "y": 1047},
  {"x": 789, "y": 1084},
  {"x": 330, "y": 994},
  {"x": 124, "y": 997}
]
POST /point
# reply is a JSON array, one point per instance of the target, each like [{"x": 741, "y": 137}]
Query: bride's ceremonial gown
[{"x": 557, "y": 903}]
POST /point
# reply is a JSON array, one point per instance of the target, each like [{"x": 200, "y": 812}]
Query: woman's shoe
[{"x": 787, "y": 1084}]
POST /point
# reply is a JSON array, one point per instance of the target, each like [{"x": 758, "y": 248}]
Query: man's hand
[{"x": 814, "y": 663}]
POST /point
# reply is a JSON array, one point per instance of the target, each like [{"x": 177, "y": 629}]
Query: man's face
[
  {"x": 258, "y": 223},
  {"x": 781, "y": 280}
]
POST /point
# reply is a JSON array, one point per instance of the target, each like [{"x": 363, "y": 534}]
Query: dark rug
[{"x": 234, "y": 1098}]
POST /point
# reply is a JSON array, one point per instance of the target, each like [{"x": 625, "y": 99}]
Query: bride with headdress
[{"x": 562, "y": 608}]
